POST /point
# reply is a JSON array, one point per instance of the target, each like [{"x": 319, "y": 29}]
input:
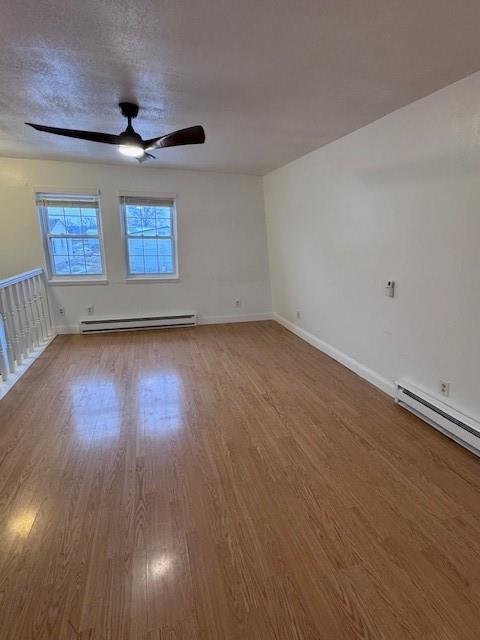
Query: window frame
[
  {"x": 155, "y": 276},
  {"x": 42, "y": 213}
]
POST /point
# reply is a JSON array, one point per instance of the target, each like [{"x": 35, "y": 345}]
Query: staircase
[{"x": 25, "y": 324}]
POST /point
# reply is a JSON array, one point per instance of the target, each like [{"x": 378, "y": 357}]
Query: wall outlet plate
[
  {"x": 444, "y": 388},
  {"x": 390, "y": 288}
]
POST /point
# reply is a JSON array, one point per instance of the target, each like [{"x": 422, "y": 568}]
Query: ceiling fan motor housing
[
  {"x": 131, "y": 137},
  {"x": 128, "y": 109}
]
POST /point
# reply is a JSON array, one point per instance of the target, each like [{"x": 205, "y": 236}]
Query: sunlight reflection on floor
[
  {"x": 95, "y": 410},
  {"x": 159, "y": 402}
]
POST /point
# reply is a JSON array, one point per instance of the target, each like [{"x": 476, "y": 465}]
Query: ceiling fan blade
[
  {"x": 92, "y": 136},
  {"x": 190, "y": 135},
  {"x": 146, "y": 156}
]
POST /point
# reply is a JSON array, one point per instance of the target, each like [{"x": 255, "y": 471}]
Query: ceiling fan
[{"x": 129, "y": 142}]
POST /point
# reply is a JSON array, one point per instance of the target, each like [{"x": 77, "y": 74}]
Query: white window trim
[
  {"x": 69, "y": 279},
  {"x": 145, "y": 278}
]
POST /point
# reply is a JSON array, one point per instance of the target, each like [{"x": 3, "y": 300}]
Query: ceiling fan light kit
[
  {"x": 131, "y": 150},
  {"x": 129, "y": 142}
]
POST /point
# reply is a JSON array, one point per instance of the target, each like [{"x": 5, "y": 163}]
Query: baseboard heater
[
  {"x": 452, "y": 423},
  {"x": 101, "y": 325}
]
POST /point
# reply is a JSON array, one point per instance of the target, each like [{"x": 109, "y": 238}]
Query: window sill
[
  {"x": 153, "y": 279},
  {"x": 76, "y": 282}
]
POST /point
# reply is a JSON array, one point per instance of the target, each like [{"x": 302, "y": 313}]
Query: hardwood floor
[{"x": 227, "y": 482}]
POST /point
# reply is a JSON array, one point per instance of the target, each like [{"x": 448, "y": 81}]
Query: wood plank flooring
[{"x": 225, "y": 483}]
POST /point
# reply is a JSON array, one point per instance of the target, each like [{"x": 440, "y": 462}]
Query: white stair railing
[{"x": 25, "y": 321}]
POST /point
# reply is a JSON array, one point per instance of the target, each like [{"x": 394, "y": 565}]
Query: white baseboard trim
[
  {"x": 245, "y": 317},
  {"x": 360, "y": 369},
  {"x": 13, "y": 378},
  {"x": 65, "y": 329}
]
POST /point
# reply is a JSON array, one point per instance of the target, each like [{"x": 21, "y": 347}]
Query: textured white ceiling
[{"x": 269, "y": 79}]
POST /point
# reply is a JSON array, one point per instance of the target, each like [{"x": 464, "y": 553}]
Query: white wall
[
  {"x": 397, "y": 199},
  {"x": 221, "y": 235}
]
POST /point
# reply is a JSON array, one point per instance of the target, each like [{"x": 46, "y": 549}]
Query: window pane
[
  {"x": 77, "y": 264},
  {"x": 148, "y": 221},
  {"x": 134, "y": 220},
  {"x": 76, "y": 256},
  {"x": 166, "y": 264},
  {"x": 93, "y": 264},
  {"x": 151, "y": 264},
  {"x": 58, "y": 246},
  {"x": 164, "y": 223},
  {"x": 73, "y": 224},
  {"x": 164, "y": 247},
  {"x": 75, "y": 247},
  {"x": 89, "y": 225},
  {"x": 88, "y": 212},
  {"x": 56, "y": 220},
  {"x": 61, "y": 265},
  {"x": 150, "y": 247},
  {"x": 72, "y": 211},
  {"x": 136, "y": 264},
  {"x": 92, "y": 247},
  {"x": 135, "y": 247}
]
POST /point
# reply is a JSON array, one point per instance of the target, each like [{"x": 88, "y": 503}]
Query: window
[
  {"x": 150, "y": 237},
  {"x": 72, "y": 235}
]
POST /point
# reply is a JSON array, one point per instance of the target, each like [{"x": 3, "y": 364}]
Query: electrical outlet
[
  {"x": 444, "y": 388},
  {"x": 61, "y": 311},
  {"x": 90, "y": 310},
  {"x": 298, "y": 315},
  {"x": 390, "y": 289},
  {"x": 238, "y": 303}
]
